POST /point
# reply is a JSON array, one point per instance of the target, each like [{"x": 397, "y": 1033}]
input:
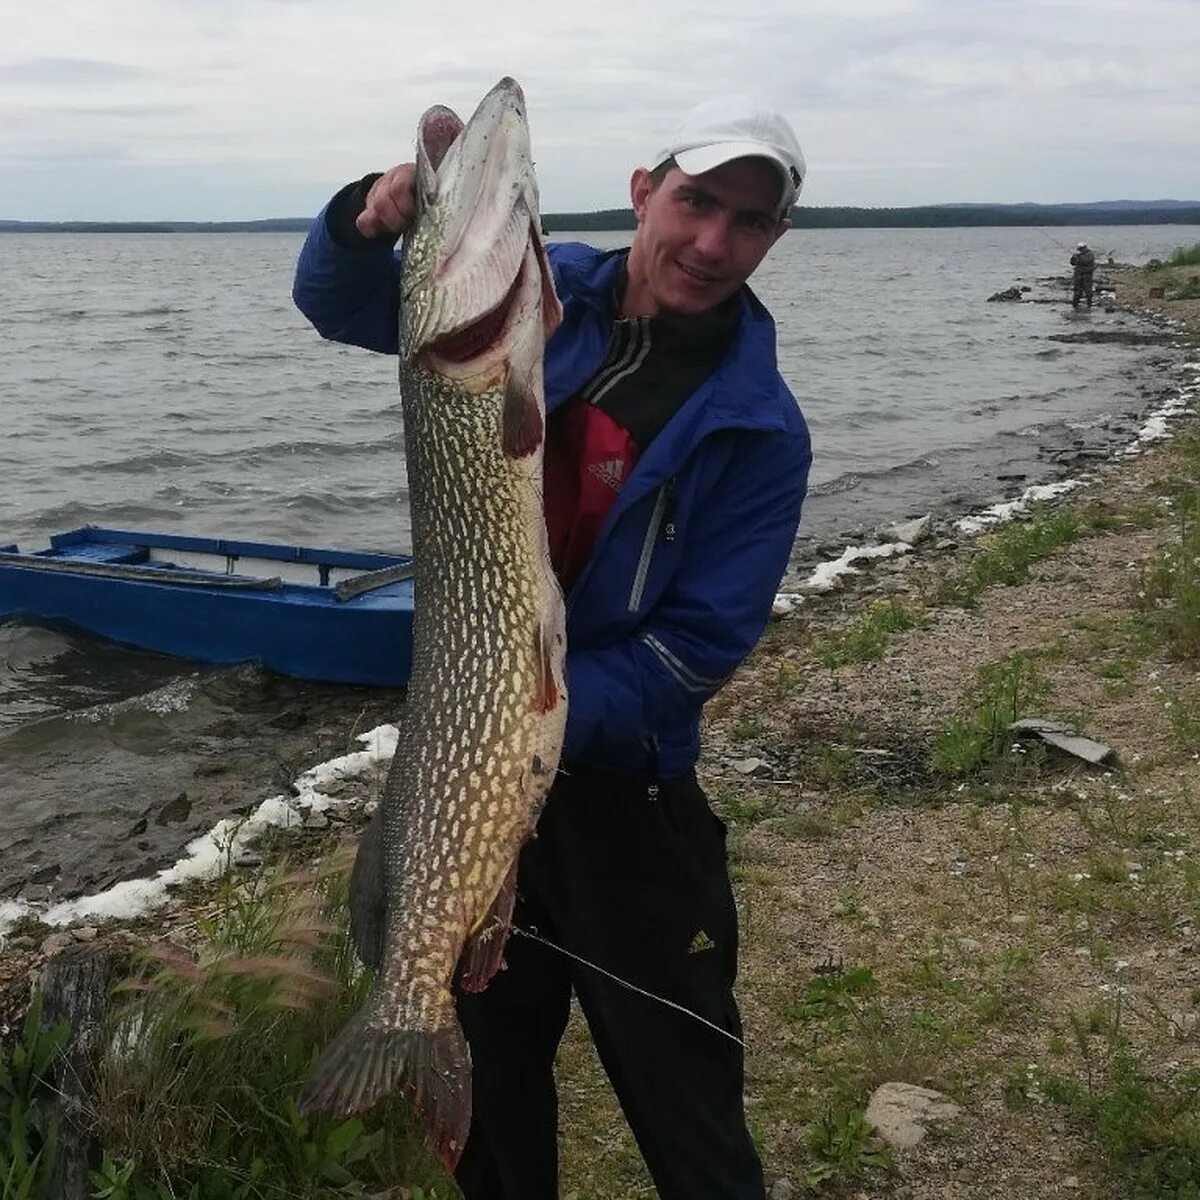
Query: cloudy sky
[{"x": 240, "y": 109}]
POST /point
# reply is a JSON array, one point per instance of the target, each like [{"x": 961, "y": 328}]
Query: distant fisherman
[
  {"x": 676, "y": 463},
  {"x": 1084, "y": 262}
]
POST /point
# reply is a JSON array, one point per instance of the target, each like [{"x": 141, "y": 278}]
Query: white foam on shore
[
  {"x": 826, "y": 574},
  {"x": 1008, "y": 509},
  {"x": 223, "y": 846},
  {"x": 1156, "y": 429}
]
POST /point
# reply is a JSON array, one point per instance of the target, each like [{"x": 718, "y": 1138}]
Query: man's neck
[{"x": 632, "y": 300}]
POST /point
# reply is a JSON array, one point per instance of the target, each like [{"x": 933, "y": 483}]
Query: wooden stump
[{"x": 76, "y": 987}]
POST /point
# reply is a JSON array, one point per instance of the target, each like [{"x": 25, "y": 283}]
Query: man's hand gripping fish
[{"x": 434, "y": 883}]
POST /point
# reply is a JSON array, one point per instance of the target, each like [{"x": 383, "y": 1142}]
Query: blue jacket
[{"x": 684, "y": 572}]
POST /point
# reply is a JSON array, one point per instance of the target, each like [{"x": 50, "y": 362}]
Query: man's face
[{"x": 700, "y": 237}]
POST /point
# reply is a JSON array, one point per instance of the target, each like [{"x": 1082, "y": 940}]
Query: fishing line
[{"x": 633, "y": 987}]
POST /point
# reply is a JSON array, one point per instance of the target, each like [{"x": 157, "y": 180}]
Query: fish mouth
[{"x": 484, "y": 263}]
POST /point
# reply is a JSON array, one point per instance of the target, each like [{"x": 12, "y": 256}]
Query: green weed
[
  {"x": 834, "y": 998},
  {"x": 842, "y": 1146},
  {"x": 208, "y": 1050},
  {"x": 868, "y": 637},
  {"x": 1183, "y": 715},
  {"x": 1168, "y": 590},
  {"x": 978, "y": 737},
  {"x": 1007, "y": 556},
  {"x": 1149, "y": 1129},
  {"x": 746, "y": 729},
  {"x": 1185, "y": 256},
  {"x": 28, "y": 1141}
]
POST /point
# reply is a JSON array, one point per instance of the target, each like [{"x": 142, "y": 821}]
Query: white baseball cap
[{"x": 736, "y": 126}]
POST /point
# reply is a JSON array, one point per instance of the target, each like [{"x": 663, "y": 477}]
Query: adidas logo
[
  {"x": 610, "y": 472},
  {"x": 701, "y": 942}
]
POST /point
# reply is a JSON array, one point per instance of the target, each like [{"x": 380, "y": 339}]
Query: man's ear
[{"x": 640, "y": 187}]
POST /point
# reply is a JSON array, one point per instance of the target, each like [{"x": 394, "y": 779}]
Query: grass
[
  {"x": 1168, "y": 590},
  {"x": 28, "y": 1140},
  {"x": 1148, "y": 1128},
  {"x": 978, "y": 738},
  {"x": 197, "y": 1092},
  {"x": 1007, "y": 556},
  {"x": 1185, "y": 256},
  {"x": 842, "y": 1146},
  {"x": 868, "y": 637}
]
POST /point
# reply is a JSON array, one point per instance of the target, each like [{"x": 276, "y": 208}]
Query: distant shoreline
[{"x": 933, "y": 216}]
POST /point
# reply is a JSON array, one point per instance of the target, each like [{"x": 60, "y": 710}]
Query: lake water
[{"x": 167, "y": 382}]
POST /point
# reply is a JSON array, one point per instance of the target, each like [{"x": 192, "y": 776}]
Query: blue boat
[{"x": 332, "y": 615}]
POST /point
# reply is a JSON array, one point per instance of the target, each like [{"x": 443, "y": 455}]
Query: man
[
  {"x": 676, "y": 464},
  {"x": 1084, "y": 262}
]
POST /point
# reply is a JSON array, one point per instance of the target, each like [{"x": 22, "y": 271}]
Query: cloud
[
  {"x": 895, "y": 101},
  {"x": 68, "y": 72}
]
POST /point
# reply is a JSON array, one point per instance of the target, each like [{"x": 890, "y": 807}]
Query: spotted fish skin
[{"x": 486, "y": 705}]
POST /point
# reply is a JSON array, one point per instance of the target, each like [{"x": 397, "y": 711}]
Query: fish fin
[
  {"x": 483, "y": 954},
  {"x": 522, "y": 425},
  {"x": 430, "y": 1069},
  {"x": 368, "y": 896},
  {"x": 547, "y": 690}
]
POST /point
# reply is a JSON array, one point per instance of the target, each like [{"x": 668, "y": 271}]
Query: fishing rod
[{"x": 1064, "y": 248}]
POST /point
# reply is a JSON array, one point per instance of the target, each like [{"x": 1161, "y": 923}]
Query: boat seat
[{"x": 106, "y": 552}]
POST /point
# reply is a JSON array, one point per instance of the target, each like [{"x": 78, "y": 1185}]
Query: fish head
[{"x": 477, "y": 294}]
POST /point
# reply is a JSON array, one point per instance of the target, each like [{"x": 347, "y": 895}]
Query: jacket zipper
[{"x": 661, "y": 520}]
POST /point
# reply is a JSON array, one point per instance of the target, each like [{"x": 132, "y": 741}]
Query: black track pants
[{"x": 634, "y": 879}]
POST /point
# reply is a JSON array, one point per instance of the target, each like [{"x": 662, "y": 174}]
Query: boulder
[{"x": 900, "y": 1112}]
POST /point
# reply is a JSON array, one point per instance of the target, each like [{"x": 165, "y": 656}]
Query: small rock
[
  {"x": 56, "y": 943},
  {"x": 46, "y": 874},
  {"x": 85, "y": 933},
  {"x": 945, "y": 544},
  {"x": 969, "y": 945},
  {"x": 783, "y": 1189},
  {"x": 910, "y": 532},
  {"x": 317, "y": 820},
  {"x": 36, "y": 892},
  {"x": 174, "y": 810},
  {"x": 1071, "y": 1181},
  {"x": 1019, "y": 919},
  {"x": 137, "y": 828},
  {"x": 370, "y": 808},
  {"x": 899, "y": 1112},
  {"x": 22, "y": 942},
  {"x": 752, "y": 766}
]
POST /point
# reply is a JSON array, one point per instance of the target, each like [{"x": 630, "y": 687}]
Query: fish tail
[{"x": 430, "y": 1068}]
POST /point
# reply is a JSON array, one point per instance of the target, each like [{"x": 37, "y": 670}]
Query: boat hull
[{"x": 146, "y": 590}]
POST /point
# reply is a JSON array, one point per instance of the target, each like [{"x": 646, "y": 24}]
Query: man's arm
[
  {"x": 347, "y": 275},
  {"x": 709, "y": 618}
]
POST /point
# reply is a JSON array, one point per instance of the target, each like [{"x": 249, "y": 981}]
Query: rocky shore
[{"x": 946, "y": 968}]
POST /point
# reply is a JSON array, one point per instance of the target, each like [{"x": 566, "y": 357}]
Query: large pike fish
[{"x": 434, "y": 882}]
